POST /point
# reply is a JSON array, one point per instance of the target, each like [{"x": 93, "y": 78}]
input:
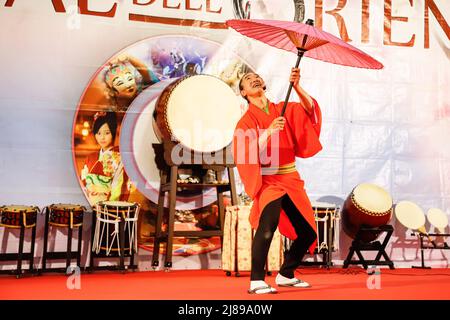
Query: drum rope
[
  {"x": 316, "y": 217},
  {"x": 34, "y": 211},
  {"x": 324, "y": 243},
  {"x": 133, "y": 236},
  {"x": 96, "y": 235},
  {"x": 100, "y": 234},
  {"x": 337, "y": 234},
  {"x": 330, "y": 220},
  {"x": 115, "y": 234},
  {"x": 127, "y": 220},
  {"x": 106, "y": 218},
  {"x": 131, "y": 224},
  {"x": 325, "y": 236}
]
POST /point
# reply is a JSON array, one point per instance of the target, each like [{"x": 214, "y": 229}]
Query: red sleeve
[
  {"x": 125, "y": 192},
  {"x": 305, "y": 128},
  {"x": 246, "y": 156},
  {"x": 316, "y": 117}
]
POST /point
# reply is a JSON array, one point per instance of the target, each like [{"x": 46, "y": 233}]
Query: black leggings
[{"x": 268, "y": 224}]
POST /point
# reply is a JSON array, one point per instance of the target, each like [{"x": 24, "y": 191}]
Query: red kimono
[
  {"x": 104, "y": 177},
  {"x": 265, "y": 182}
]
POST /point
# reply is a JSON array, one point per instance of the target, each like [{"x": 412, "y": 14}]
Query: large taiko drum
[
  {"x": 367, "y": 205},
  {"x": 200, "y": 112}
]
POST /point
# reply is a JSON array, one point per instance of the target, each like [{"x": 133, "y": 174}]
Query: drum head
[
  {"x": 372, "y": 198},
  {"x": 120, "y": 204},
  {"x": 410, "y": 215},
  {"x": 18, "y": 208},
  {"x": 63, "y": 206},
  {"x": 202, "y": 112},
  {"x": 437, "y": 218},
  {"x": 322, "y": 205}
]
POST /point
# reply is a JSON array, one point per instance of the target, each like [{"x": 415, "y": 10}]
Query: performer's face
[
  {"x": 155, "y": 57},
  {"x": 252, "y": 85},
  {"x": 104, "y": 137},
  {"x": 124, "y": 85}
]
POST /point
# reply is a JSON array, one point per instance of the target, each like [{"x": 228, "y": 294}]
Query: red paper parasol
[{"x": 305, "y": 40}]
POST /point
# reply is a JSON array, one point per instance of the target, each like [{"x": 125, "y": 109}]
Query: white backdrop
[{"x": 390, "y": 127}]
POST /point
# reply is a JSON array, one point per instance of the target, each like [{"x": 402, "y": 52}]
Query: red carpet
[
  {"x": 187, "y": 246},
  {"x": 214, "y": 285}
]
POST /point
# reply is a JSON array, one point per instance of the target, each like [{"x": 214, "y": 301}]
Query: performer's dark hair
[
  {"x": 105, "y": 117},
  {"x": 241, "y": 87}
]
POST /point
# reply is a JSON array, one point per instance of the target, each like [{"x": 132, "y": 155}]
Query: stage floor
[{"x": 340, "y": 284}]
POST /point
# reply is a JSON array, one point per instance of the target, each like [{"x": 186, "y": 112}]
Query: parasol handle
[
  {"x": 299, "y": 57},
  {"x": 300, "y": 53}
]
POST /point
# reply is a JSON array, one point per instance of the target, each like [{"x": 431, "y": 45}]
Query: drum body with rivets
[
  {"x": 16, "y": 216},
  {"x": 63, "y": 215},
  {"x": 367, "y": 205}
]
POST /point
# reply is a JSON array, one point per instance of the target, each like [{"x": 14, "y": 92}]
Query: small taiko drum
[
  {"x": 16, "y": 216},
  {"x": 66, "y": 215},
  {"x": 410, "y": 215},
  {"x": 367, "y": 205},
  {"x": 109, "y": 215},
  {"x": 200, "y": 112},
  {"x": 326, "y": 217},
  {"x": 438, "y": 219}
]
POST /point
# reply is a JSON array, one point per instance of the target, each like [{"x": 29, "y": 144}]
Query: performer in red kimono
[{"x": 264, "y": 149}]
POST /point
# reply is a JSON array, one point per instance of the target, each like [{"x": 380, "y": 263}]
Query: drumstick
[{"x": 424, "y": 232}]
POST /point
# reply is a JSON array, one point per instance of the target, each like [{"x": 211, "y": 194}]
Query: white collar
[{"x": 101, "y": 153}]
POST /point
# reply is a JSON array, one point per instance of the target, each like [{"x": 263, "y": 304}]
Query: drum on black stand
[
  {"x": 63, "y": 215},
  {"x": 326, "y": 216},
  {"x": 200, "y": 112},
  {"x": 367, "y": 205},
  {"x": 16, "y": 216},
  {"x": 327, "y": 222},
  {"x": 438, "y": 219},
  {"x": 109, "y": 215}
]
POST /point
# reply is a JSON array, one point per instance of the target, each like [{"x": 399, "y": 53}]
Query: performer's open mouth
[{"x": 256, "y": 84}]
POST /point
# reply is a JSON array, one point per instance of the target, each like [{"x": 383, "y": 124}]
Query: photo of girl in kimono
[{"x": 103, "y": 175}]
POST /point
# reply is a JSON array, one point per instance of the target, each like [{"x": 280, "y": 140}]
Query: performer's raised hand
[
  {"x": 277, "y": 124},
  {"x": 305, "y": 99},
  {"x": 122, "y": 58},
  {"x": 295, "y": 76}
]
